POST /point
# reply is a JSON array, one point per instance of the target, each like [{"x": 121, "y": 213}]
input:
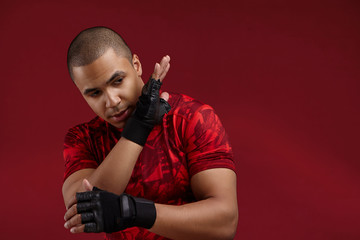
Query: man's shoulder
[
  {"x": 186, "y": 106},
  {"x": 179, "y": 99}
]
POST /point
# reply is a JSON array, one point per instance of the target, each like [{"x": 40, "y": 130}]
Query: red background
[{"x": 283, "y": 77}]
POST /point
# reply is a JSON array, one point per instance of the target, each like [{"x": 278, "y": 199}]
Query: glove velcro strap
[
  {"x": 136, "y": 131},
  {"x": 145, "y": 213}
]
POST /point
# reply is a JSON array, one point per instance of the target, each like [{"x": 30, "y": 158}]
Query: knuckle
[
  {"x": 78, "y": 229},
  {"x": 78, "y": 218},
  {"x": 72, "y": 211},
  {"x": 74, "y": 220}
]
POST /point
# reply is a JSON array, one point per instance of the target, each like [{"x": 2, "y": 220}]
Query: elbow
[
  {"x": 233, "y": 228},
  {"x": 227, "y": 229},
  {"x": 231, "y": 225}
]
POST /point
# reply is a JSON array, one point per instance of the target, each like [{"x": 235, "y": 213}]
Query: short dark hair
[{"x": 92, "y": 43}]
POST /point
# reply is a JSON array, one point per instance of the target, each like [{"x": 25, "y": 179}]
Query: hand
[
  {"x": 72, "y": 217},
  {"x": 160, "y": 72},
  {"x": 161, "y": 69},
  {"x": 150, "y": 109},
  {"x": 102, "y": 211},
  {"x": 153, "y": 111}
]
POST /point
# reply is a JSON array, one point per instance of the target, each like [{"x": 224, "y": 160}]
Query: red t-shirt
[{"x": 190, "y": 139}]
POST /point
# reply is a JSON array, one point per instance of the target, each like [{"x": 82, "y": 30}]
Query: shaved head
[{"x": 92, "y": 43}]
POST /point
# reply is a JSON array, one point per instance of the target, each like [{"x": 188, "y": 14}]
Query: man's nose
[{"x": 112, "y": 99}]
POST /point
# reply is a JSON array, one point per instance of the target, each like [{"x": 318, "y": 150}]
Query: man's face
[{"x": 111, "y": 86}]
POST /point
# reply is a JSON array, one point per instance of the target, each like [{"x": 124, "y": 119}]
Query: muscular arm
[{"x": 213, "y": 216}]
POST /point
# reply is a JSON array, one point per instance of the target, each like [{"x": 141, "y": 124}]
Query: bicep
[
  {"x": 73, "y": 183},
  {"x": 217, "y": 183}
]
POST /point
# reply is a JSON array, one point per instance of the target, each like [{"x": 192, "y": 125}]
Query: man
[{"x": 140, "y": 170}]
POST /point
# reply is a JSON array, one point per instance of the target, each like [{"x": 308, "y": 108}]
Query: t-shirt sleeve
[
  {"x": 77, "y": 154},
  {"x": 207, "y": 144}
]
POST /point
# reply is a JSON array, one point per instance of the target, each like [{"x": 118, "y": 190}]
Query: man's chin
[
  {"x": 119, "y": 121},
  {"x": 118, "y": 124}
]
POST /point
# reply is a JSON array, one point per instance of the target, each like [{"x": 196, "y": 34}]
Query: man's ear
[{"x": 137, "y": 65}]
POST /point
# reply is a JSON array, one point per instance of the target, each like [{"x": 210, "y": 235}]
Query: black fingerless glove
[
  {"x": 149, "y": 111},
  {"x": 102, "y": 211}
]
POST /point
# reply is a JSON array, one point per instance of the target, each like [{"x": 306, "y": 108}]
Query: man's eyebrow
[
  {"x": 89, "y": 90},
  {"x": 115, "y": 75}
]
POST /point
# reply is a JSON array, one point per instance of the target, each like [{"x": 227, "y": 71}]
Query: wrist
[
  {"x": 136, "y": 131},
  {"x": 145, "y": 213},
  {"x": 137, "y": 212}
]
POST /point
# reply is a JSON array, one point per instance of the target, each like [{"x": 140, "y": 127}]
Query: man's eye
[
  {"x": 95, "y": 93},
  {"x": 118, "y": 81}
]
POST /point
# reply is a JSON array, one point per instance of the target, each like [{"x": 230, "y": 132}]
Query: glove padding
[
  {"x": 149, "y": 111},
  {"x": 102, "y": 211}
]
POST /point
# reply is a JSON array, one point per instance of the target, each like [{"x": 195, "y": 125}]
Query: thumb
[
  {"x": 165, "y": 96},
  {"x": 86, "y": 185}
]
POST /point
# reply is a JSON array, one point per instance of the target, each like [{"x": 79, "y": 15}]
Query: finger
[
  {"x": 165, "y": 96},
  {"x": 85, "y": 206},
  {"x": 161, "y": 68},
  {"x": 72, "y": 222},
  {"x": 72, "y": 202},
  {"x": 86, "y": 185},
  {"x": 163, "y": 74},
  {"x": 164, "y": 108},
  {"x": 78, "y": 229},
  {"x": 70, "y": 212},
  {"x": 164, "y": 61},
  {"x": 90, "y": 227},
  {"x": 87, "y": 217},
  {"x": 164, "y": 64},
  {"x": 85, "y": 196},
  {"x": 156, "y": 73}
]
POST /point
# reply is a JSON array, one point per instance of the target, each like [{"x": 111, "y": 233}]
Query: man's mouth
[{"x": 121, "y": 116}]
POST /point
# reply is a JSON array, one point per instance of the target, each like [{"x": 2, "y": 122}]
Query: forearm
[
  {"x": 214, "y": 216},
  {"x": 205, "y": 219},
  {"x": 114, "y": 172}
]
